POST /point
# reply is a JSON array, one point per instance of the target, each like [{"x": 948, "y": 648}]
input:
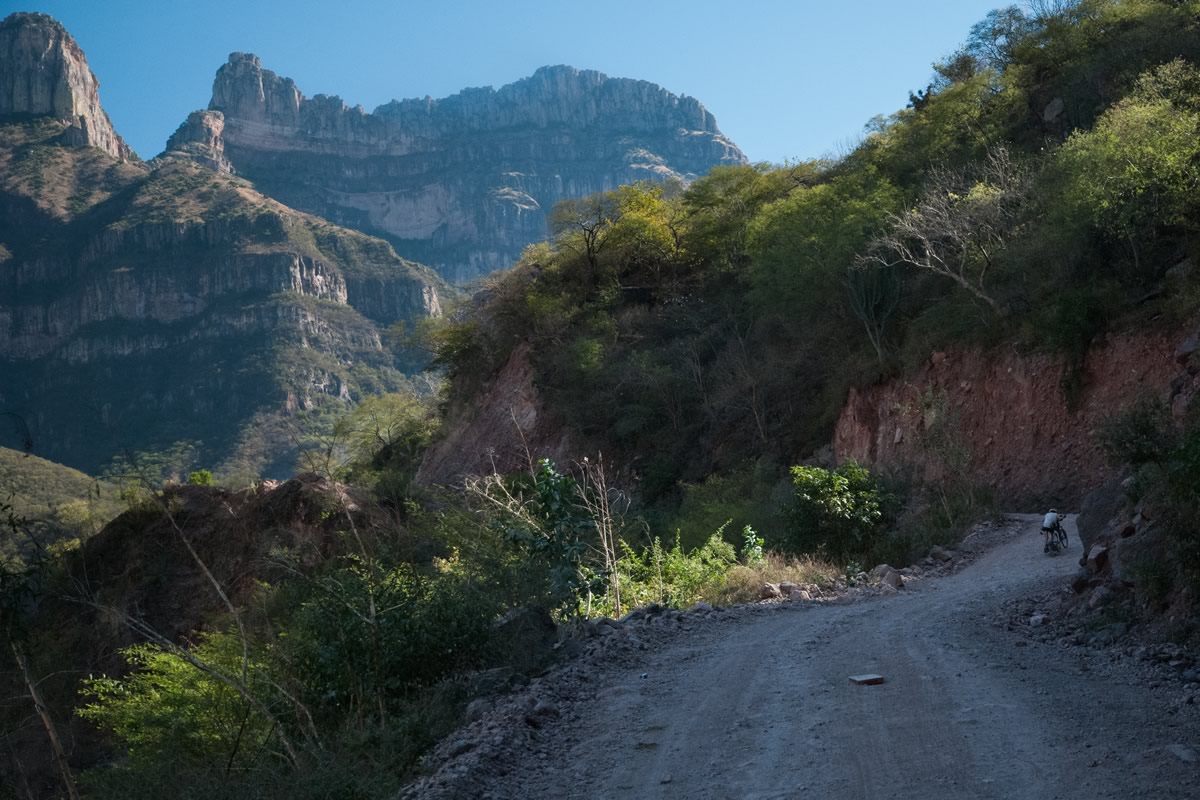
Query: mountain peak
[
  {"x": 43, "y": 72},
  {"x": 242, "y": 88},
  {"x": 464, "y": 182}
]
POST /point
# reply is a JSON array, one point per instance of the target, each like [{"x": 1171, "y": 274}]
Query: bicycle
[{"x": 1058, "y": 538}]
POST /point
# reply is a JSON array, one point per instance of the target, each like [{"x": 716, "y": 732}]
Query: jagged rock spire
[{"x": 43, "y": 72}]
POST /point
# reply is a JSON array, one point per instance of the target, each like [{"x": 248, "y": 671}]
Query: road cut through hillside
[{"x": 764, "y": 708}]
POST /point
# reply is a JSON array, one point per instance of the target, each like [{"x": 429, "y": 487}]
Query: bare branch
[{"x": 959, "y": 223}]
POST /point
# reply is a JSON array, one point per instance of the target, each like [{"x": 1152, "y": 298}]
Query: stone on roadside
[
  {"x": 544, "y": 708},
  {"x": 459, "y": 747},
  {"x": 1099, "y": 596},
  {"x": 477, "y": 708},
  {"x": 1097, "y": 557},
  {"x": 644, "y": 613},
  {"x": 867, "y": 679},
  {"x": 939, "y": 553},
  {"x": 1081, "y": 580},
  {"x": 569, "y": 648},
  {"x": 770, "y": 591}
]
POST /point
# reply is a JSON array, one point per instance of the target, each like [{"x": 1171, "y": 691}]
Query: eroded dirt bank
[
  {"x": 1009, "y": 412},
  {"x": 760, "y": 706}
]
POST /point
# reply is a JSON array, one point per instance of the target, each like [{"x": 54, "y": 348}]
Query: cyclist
[{"x": 1051, "y": 524}]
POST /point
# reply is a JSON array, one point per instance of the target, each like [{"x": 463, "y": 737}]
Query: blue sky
[{"x": 786, "y": 80}]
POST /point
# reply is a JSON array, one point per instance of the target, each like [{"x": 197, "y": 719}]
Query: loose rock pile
[{"x": 1110, "y": 639}]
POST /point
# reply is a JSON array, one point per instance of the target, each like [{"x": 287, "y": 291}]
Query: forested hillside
[{"x": 1037, "y": 193}]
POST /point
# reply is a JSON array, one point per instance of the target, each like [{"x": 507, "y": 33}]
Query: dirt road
[{"x": 764, "y": 708}]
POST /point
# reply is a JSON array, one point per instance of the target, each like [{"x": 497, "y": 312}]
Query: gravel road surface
[{"x": 762, "y": 707}]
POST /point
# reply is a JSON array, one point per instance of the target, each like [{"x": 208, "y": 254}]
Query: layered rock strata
[
  {"x": 144, "y": 331},
  {"x": 462, "y": 183}
]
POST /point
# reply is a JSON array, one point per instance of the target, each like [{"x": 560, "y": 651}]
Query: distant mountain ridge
[
  {"x": 145, "y": 303},
  {"x": 236, "y": 279},
  {"x": 462, "y": 183}
]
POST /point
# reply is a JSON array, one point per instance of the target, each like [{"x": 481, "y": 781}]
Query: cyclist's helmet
[{"x": 1054, "y": 511}]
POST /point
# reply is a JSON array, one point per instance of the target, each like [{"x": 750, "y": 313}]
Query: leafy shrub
[
  {"x": 839, "y": 513},
  {"x": 200, "y": 477},
  {"x": 365, "y": 634},
  {"x": 542, "y": 516},
  {"x": 933, "y": 515},
  {"x": 171, "y": 716},
  {"x": 731, "y": 501},
  {"x": 671, "y": 576},
  {"x": 1136, "y": 169},
  {"x": 364, "y": 644},
  {"x": 1141, "y": 433},
  {"x": 1166, "y": 464},
  {"x": 752, "y": 547}
]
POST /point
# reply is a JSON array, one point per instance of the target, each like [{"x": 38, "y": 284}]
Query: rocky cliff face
[
  {"x": 43, "y": 72},
  {"x": 462, "y": 183},
  {"x": 1007, "y": 412},
  {"x": 200, "y": 139},
  {"x": 186, "y": 306},
  {"x": 141, "y": 304}
]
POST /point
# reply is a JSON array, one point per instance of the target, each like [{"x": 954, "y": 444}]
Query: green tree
[
  {"x": 840, "y": 512},
  {"x": 720, "y": 206},
  {"x": 201, "y": 477},
  {"x": 1138, "y": 169},
  {"x": 874, "y": 295},
  {"x": 583, "y": 225},
  {"x": 170, "y": 716},
  {"x": 377, "y": 443},
  {"x": 804, "y": 245},
  {"x": 366, "y": 632},
  {"x": 541, "y": 514}
]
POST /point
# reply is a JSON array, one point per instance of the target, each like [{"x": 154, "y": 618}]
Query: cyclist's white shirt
[{"x": 1050, "y": 521}]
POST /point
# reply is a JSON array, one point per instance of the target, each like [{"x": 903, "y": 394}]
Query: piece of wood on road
[{"x": 866, "y": 680}]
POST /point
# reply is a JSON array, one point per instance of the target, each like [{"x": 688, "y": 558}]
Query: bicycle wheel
[{"x": 1061, "y": 533}]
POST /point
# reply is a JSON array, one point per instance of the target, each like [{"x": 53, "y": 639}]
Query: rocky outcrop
[
  {"x": 132, "y": 276},
  {"x": 1130, "y": 553},
  {"x": 199, "y": 139},
  {"x": 462, "y": 183},
  {"x": 43, "y": 72},
  {"x": 1008, "y": 414}
]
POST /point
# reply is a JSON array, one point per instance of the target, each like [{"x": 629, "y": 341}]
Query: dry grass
[
  {"x": 744, "y": 583},
  {"x": 62, "y": 181}
]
